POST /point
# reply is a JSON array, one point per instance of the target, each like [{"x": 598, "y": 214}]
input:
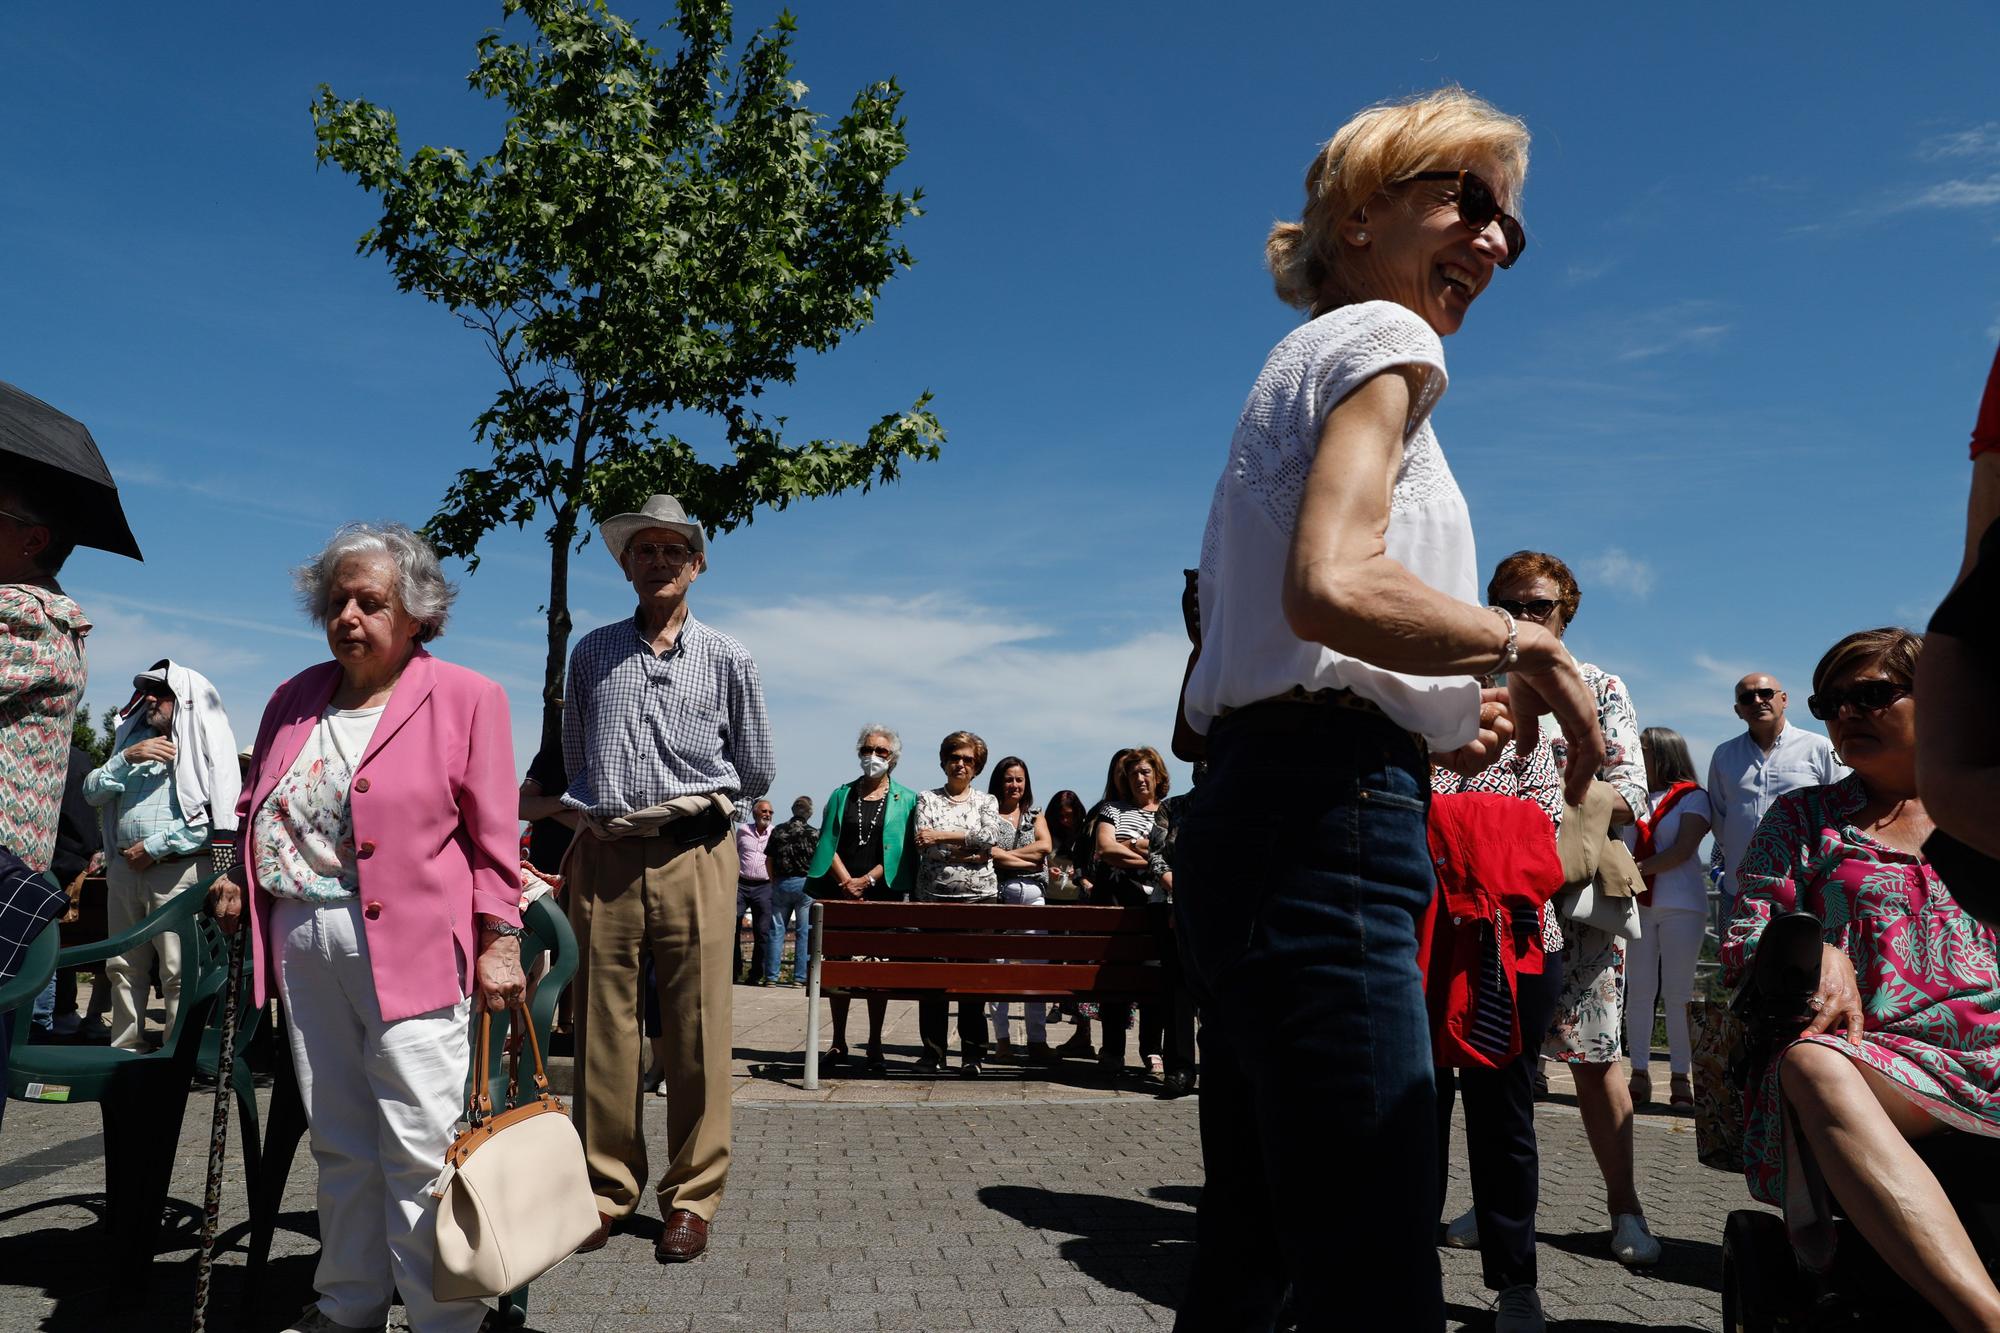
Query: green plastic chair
[
  {"x": 142, "y": 1097},
  {"x": 17, "y": 997},
  {"x": 548, "y": 932}
]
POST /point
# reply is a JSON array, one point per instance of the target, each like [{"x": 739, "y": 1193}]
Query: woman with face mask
[{"x": 861, "y": 856}]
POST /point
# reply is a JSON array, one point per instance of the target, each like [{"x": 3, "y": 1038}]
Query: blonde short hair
[{"x": 1437, "y": 131}]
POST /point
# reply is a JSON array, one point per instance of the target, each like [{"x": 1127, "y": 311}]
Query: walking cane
[{"x": 218, "y": 1134}]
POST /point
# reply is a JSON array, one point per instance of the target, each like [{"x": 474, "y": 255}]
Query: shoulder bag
[{"x": 514, "y": 1197}]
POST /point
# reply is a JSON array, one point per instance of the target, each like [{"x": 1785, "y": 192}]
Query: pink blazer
[{"x": 435, "y": 806}]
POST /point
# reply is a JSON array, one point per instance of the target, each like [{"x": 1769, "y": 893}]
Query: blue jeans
[
  {"x": 1300, "y": 877},
  {"x": 44, "y": 1015},
  {"x": 789, "y": 907}
]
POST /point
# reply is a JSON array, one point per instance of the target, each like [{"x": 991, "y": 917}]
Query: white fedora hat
[{"x": 659, "y": 511}]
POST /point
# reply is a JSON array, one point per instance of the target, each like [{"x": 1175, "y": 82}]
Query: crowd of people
[{"x": 1435, "y": 743}]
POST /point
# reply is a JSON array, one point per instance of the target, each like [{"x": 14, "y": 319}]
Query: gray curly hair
[
  {"x": 421, "y": 586},
  {"x": 895, "y": 741}
]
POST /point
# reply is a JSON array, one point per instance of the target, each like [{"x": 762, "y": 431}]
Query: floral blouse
[
  {"x": 303, "y": 834},
  {"x": 941, "y": 877},
  {"x": 41, "y": 683},
  {"x": 1624, "y": 765}
]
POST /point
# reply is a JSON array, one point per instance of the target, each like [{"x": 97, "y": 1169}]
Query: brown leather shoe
[
  {"x": 596, "y": 1239},
  {"x": 685, "y": 1237}
]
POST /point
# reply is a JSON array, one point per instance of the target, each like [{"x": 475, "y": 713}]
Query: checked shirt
[{"x": 640, "y": 728}]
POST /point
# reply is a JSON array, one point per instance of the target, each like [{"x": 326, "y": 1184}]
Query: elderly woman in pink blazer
[{"x": 381, "y": 871}]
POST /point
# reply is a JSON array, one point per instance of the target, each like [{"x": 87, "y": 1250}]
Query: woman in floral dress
[
  {"x": 1589, "y": 1028},
  {"x": 1906, "y": 1042}
]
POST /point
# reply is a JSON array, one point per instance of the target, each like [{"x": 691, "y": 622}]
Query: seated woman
[{"x": 1906, "y": 1042}]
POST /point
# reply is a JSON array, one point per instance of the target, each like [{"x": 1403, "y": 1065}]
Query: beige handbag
[{"x": 515, "y": 1196}]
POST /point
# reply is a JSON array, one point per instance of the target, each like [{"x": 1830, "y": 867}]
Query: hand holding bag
[
  {"x": 515, "y": 1197},
  {"x": 1602, "y": 879}
]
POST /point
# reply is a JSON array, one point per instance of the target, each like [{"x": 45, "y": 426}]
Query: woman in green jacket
[{"x": 861, "y": 855}]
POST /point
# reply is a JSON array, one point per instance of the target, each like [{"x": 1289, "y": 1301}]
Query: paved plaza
[{"x": 1011, "y": 1202}]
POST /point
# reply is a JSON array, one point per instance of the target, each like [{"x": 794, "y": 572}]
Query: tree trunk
[{"x": 561, "y": 537}]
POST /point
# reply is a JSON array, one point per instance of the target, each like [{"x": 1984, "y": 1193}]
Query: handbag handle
[{"x": 481, "y": 1105}]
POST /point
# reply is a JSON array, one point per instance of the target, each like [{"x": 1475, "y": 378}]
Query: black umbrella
[{"x": 53, "y": 461}]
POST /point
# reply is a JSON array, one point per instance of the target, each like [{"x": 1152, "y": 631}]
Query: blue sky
[{"x": 1731, "y": 382}]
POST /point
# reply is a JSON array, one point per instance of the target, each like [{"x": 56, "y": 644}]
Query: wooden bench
[{"x": 926, "y": 951}]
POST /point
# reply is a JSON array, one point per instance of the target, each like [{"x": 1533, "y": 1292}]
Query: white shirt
[
  {"x": 1248, "y": 651},
  {"x": 1685, "y": 887},
  {"x": 1744, "y": 779}
]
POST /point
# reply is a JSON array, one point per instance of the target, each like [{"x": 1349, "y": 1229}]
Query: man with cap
[
  {"x": 664, "y": 732},
  {"x": 167, "y": 792}
]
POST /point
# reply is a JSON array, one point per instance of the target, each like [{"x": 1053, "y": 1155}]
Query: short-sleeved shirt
[
  {"x": 790, "y": 851},
  {"x": 1249, "y": 651},
  {"x": 1013, "y": 837},
  {"x": 1685, "y": 887},
  {"x": 940, "y": 876}
]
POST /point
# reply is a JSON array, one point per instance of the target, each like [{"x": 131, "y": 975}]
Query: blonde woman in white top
[{"x": 1342, "y": 641}]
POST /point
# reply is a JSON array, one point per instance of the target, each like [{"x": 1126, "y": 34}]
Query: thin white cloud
[
  {"x": 1721, "y": 671},
  {"x": 1974, "y": 141},
  {"x": 1674, "y": 340},
  {"x": 1958, "y": 194},
  {"x": 1619, "y": 570},
  {"x": 934, "y": 664},
  {"x": 1579, "y": 272},
  {"x": 1680, "y": 326}
]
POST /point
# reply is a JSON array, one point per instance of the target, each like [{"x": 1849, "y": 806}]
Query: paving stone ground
[{"x": 1013, "y": 1202}]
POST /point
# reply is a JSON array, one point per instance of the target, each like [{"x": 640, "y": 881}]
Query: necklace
[
  {"x": 959, "y": 799},
  {"x": 868, "y": 819}
]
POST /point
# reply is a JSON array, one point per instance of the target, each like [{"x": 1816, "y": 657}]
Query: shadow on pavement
[
  {"x": 1126, "y": 1244},
  {"x": 68, "y": 1266},
  {"x": 1690, "y": 1263}
]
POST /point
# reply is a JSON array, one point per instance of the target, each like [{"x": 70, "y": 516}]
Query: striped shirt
[{"x": 640, "y": 728}]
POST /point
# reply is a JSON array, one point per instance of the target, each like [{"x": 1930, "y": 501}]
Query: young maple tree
[{"x": 655, "y": 241}]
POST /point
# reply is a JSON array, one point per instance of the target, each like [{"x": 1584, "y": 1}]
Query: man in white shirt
[{"x": 1751, "y": 771}]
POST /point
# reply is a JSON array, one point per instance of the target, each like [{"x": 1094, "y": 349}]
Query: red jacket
[{"x": 1493, "y": 854}]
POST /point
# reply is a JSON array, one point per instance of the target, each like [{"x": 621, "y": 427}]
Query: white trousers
[
  {"x": 383, "y": 1100},
  {"x": 1659, "y": 965},
  {"x": 1034, "y": 1013},
  {"x": 130, "y": 896}
]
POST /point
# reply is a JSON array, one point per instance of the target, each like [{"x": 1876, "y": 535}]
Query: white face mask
[{"x": 873, "y": 765}]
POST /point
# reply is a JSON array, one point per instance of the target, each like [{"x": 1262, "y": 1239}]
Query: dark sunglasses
[
  {"x": 1867, "y": 696},
  {"x": 1478, "y": 206},
  {"x": 881, "y": 751},
  {"x": 1762, "y": 695},
  {"x": 1539, "y": 609}
]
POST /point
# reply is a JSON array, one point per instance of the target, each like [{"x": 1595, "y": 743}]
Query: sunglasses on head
[
  {"x": 1763, "y": 694},
  {"x": 1478, "y": 207},
  {"x": 1867, "y": 696},
  {"x": 1539, "y": 609}
]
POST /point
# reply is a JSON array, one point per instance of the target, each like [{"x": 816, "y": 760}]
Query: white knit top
[{"x": 1248, "y": 652}]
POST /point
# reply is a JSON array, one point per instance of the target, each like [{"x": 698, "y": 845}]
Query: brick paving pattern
[{"x": 1007, "y": 1203}]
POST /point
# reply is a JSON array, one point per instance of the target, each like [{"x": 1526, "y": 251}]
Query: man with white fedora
[{"x": 664, "y": 733}]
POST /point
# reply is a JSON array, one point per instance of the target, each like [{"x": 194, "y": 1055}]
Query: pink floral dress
[{"x": 1930, "y": 990}]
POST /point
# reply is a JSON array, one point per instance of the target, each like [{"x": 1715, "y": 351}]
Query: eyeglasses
[
  {"x": 1867, "y": 696},
  {"x": 954, "y": 760},
  {"x": 1539, "y": 609},
  {"x": 1477, "y": 209},
  {"x": 880, "y": 751},
  {"x": 1763, "y": 694},
  {"x": 12, "y": 517},
  {"x": 674, "y": 554}
]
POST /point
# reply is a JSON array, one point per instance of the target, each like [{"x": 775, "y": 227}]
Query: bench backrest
[{"x": 951, "y": 949}]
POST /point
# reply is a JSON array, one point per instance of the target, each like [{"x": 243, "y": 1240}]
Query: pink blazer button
[
  {"x": 365, "y": 850},
  {"x": 361, "y": 784},
  {"x": 373, "y": 911}
]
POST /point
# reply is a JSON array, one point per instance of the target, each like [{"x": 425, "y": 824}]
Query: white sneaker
[
  {"x": 1631, "y": 1244},
  {"x": 1462, "y": 1232},
  {"x": 1519, "y": 1310}
]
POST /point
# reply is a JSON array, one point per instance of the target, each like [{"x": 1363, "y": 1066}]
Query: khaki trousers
[
  {"x": 130, "y": 896},
  {"x": 628, "y": 897}
]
